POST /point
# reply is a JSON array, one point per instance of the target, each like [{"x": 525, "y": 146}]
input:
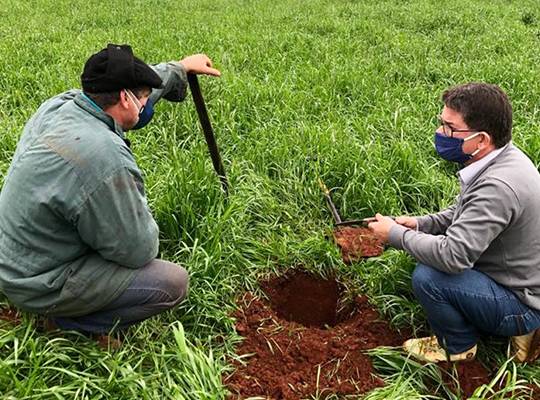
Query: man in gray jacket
[
  {"x": 479, "y": 260},
  {"x": 78, "y": 242}
]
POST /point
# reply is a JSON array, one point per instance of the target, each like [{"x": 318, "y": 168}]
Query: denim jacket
[{"x": 74, "y": 220}]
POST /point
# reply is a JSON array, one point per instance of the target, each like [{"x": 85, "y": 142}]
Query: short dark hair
[
  {"x": 107, "y": 99},
  {"x": 484, "y": 107}
]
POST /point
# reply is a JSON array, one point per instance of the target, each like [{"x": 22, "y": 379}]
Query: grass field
[{"x": 344, "y": 90}]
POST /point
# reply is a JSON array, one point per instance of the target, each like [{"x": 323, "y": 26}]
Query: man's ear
[
  {"x": 486, "y": 139},
  {"x": 124, "y": 99}
]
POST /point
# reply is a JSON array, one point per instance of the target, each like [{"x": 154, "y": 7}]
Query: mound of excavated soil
[
  {"x": 357, "y": 243},
  {"x": 303, "y": 341}
]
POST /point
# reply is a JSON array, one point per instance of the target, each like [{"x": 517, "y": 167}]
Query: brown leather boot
[
  {"x": 526, "y": 348},
  {"x": 48, "y": 325}
]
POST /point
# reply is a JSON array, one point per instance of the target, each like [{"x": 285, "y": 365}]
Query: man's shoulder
[
  {"x": 64, "y": 136},
  {"x": 513, "y": 169},
  {"x": 76, "y": 135},
  {"x": 86, "y": 143},
  {"x": 513, "y": 161}
]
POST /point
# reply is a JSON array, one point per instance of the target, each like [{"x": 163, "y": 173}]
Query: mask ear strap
[
  {"x": 133, "y": 98},
  {"x": 475, "y": 152},
  {"x": 472, "y": 136},
  {"x": 126, "y": 95}
]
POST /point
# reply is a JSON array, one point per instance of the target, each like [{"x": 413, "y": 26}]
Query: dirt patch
[
  {"x": 11, "y": 315},
  {"x": 463, "y": 378},
  {"x": 357, "y": 243},
  {"x": 289, "y": 360},
  {"x": 305, "y": 340},
  {"x": 535, "y": 395}
]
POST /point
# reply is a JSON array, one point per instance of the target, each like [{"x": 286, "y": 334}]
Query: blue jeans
[
  {"x": 158, "y": 286},
  {"x": 461, "y": 307}
]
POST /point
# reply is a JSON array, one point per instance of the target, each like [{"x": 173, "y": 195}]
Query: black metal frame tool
[
  {"x": 335, "y": 213},
  {"x": 330, "y": 203},
  {"x": 208, "y": 131}
]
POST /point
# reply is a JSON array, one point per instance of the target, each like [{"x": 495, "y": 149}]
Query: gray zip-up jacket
[
  {"x": 494, "y": 227},
  {"x": 74, "y": 221}
]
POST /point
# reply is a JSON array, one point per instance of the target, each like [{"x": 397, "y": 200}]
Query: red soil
[
  {"x": 291, "y": 361},
  {"x": 304, "y": 341},
  {"x": 305, "y": 299},
  {"x": 357, "y": 243},
  {"x": 470, "y": 375}
]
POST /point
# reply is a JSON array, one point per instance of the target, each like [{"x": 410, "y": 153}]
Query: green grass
[{"x": 343, "y": 90}]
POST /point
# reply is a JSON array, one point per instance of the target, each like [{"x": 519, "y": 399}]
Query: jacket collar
[
  {"x": 469, "y": 174},
  {"x": 92, "y": 108}
]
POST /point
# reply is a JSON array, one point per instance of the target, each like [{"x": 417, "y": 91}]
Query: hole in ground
[
  {"x": 283, "y": 360},
  {"x": 307, "y": 299}
]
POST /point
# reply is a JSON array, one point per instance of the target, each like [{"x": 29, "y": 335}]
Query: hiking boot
[
  {"x": 526, "y": 347},
  {"x": 428, "y": 349}
]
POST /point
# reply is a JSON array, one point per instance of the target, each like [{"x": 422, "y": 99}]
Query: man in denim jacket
[{"x": 78, "y": 242}]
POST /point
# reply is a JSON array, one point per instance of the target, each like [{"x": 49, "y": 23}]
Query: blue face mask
[
  {"x": 146, "y": 112},
  {"x": 451, "y": 148},
  {"x": 145, "y": 115}
]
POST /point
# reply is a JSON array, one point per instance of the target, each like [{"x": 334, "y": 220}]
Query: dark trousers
[{"x": 158, "y": 286}]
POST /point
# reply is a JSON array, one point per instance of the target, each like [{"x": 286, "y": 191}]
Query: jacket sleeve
[
  {"x": 116, "y": 221},
  {"x": 485, "y": 213},
  {"x": 174, "y": 79},
  {"x": 436, "y": 224}
]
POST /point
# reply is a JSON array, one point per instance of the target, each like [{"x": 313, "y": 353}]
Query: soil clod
[
  {"x": 464, "y": 377},
  {"x": 357, "y": 243}
]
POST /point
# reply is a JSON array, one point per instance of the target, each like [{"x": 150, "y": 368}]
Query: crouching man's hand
[
  {"x": 199, "y": 64},
  {"x": 381, "y": 227},
  {"x": 407, "y": 222}
]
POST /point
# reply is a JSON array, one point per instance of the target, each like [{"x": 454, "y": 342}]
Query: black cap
[{"x": 116, "y": 68}]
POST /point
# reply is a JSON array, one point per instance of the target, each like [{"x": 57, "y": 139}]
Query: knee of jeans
[
  {"x": 178, "y": 284},
  {"x": 422, "y": 279}
]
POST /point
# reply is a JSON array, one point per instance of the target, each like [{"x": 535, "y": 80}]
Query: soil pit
[
  {"x": 305, "y": 299},
  {"x": 304, "y": 342},
  {"x": 357, "y": 243}
]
